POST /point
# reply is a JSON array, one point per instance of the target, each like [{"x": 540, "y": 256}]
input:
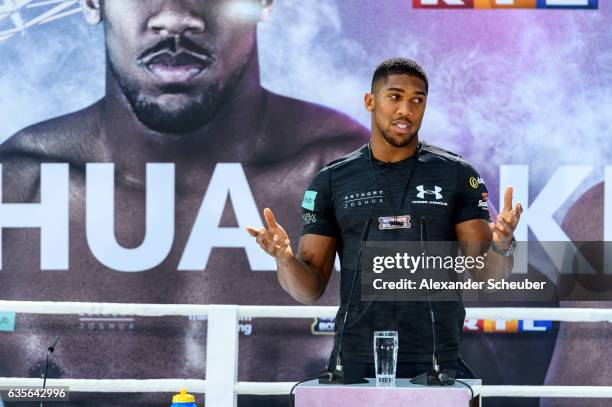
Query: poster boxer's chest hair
[
  {"x": 88, "y": 280},
  {"x": 99, "y": 282},
  {"x": 277, "y": 183}
]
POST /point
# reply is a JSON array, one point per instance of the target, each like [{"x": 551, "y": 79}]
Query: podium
[{"x": 313, "y": 394}]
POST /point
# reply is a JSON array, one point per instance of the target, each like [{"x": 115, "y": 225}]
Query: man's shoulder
[
  {"x": 312, "y": 122},
  {"x": 347, "y": 167},
  {"x": 347, "y": 161},
  {"x": 442, "y": 157},
  {"x": 435, "y": 153},
  {"x": 60, "y": 139},
  {"x": 311, "y": 132}
]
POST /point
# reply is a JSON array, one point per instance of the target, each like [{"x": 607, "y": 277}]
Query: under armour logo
[{"x": 423, "y": 191}]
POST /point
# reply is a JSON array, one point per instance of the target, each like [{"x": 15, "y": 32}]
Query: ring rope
[
  {"x": 545, "y": 391},
  {"x": 272, "y": 388},
  {"x": 282, "y": 388},
  {"x": 112, "y": 385},
  {"x": 258, "y": 311}
]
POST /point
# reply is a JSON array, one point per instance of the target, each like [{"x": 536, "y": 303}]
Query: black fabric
[
  {"x": 410, "y": 370},
  {"x": 343, "y": 195}
]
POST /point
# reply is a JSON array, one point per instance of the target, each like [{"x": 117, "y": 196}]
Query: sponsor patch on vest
[
  {"x": 309, "y": 200},
  {"x": 394, "y": 222},
  {"x": 309, "y": 218}
]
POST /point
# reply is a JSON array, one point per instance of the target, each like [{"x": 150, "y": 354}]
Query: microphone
[
  {"x": 50, "y": 350},
  {"x": 425, "y": 247},
  {"x": 337, "y": 376},
  {"x": 434, "y": 377}
]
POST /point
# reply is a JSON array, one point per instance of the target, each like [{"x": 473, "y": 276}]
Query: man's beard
[
  {"x": 188, "y": 118},
  {"x": 395, "y": 143}
]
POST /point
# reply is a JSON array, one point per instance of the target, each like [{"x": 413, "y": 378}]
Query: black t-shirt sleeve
[
  {"x": 317, "y": 207},
  {"x": 472, "y": 196}
]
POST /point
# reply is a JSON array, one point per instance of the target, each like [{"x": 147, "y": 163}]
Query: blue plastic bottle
[{"x": 183, "y": 400}]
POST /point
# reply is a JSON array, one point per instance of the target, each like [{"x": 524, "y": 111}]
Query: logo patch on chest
[
  {"x": 474, "y": 182},
  {"x": 430, "y": 196},
  {"x": 422, "y": 192},
  {"x": 394, "y": 222},
  {"x": 361, "y": 199}
]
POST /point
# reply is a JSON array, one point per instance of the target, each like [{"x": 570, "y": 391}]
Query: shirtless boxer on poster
[{"x": 182, "y": 87}]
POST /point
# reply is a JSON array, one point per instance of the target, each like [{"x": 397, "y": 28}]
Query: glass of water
[{"x": 385, "y": 357}]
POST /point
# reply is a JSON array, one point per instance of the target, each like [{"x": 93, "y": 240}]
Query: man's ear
[
  {"x": 266, "y": 8},
  {"x": 368, "y": 100},
  {"x": 91, "y": 10}
]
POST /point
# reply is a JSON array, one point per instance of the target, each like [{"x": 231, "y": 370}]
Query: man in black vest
[{"x": 398, "y": 179}]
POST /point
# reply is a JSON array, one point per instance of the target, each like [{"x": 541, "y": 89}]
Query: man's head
[
  {"x": 178, "y": 61},
  {"x": 397, "y": 101}
]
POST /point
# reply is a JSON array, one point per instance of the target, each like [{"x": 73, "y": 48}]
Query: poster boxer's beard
[
  {"x": 394, "y": 143},
  {"x": 188, "y": 118}
]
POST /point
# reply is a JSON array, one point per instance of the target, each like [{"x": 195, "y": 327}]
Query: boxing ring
[{"x": 223, "y": 387}]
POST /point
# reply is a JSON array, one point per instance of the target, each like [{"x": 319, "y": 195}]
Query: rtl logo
[
  {"x": 489, "y": 4},
  {"x": 503, "y": 326}
]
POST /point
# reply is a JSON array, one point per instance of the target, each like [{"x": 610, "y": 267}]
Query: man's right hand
[
  {"x": 273, "y": 238},
  {"x": 306, "y": 275}
]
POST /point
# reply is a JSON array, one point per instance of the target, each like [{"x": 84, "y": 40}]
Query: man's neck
[
  {"x": 385, "y": 152},
  {"x": 229, "y": 136}
]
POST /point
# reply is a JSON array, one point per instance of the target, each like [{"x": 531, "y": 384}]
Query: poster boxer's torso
[{"x": 293, "y": 139}]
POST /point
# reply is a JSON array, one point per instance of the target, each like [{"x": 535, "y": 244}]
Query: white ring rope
[
  {"x": 257, "y": 311},
  {"x": 289, "y": 311},
  {"x": 263, "y": 388},
  {"x": 283, "y": 388},
  {"x": 545, "y": 391},
  {"x": 102, "y": 308},
  {"x": 112, "y": 385}
]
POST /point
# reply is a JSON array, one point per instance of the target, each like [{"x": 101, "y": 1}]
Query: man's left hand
[{"x": 506, "y": 222}]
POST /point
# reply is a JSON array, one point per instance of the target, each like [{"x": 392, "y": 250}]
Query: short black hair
[{"x": 399, "y": 66}]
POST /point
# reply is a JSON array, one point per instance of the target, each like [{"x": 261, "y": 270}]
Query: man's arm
[
  {"x": 306, "y": 275},
  {"x": 475, "y": 237}
]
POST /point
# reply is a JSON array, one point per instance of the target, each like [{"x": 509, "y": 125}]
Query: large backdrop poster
[{"x": 118, "y": 213}]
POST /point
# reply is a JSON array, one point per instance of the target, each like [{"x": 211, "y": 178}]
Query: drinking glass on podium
[{"x": 385, "y": 357}]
